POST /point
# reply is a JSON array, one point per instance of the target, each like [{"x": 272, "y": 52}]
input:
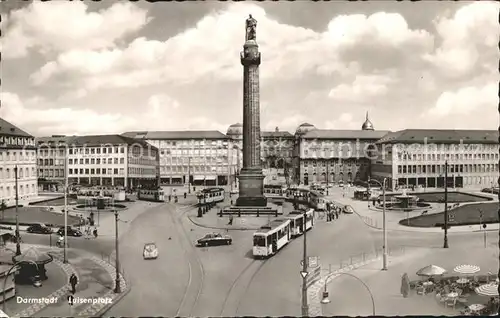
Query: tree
[{"x": 3, "y": 206}]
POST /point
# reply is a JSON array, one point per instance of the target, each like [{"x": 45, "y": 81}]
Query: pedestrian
[
  {"x": 95, "y": 232},
  {"x": 230, "y": 220},
  {"x": 73, "y": 281},
  {"x": 405, "y": 285},
  {"x": 185, "y": 195}
]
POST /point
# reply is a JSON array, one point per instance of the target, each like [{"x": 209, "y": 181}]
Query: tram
[
  {"x": 274, "y": 191},
  {"x": 297, "y": 218},
  {"x": 268, "y": 240},
  {"x": 301, "y": 194},
  {"x": 212, "y": 195},
  {"x": 317, "y": 201},
  {"x": 156, "y": 195}
]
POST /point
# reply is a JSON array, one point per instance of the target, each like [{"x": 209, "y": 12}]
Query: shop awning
[
  {"x": 211, "y": 177},
  {"x": 198, "y": 177}
]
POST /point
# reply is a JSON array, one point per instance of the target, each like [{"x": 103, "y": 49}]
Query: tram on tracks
[
  {"x": 298, "y": 218},
  {"x": 274, "y": 190},
  {"x": 268, "y": 240},
  {"x": 211, "y": 195},
  {"x": 156, "y": 195},
  {"x": 302, "y": 195},
  {"x": 317, "y": 201}
]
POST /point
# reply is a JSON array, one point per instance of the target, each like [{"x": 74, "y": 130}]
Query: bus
[
  {"x": 317, "y": 201},
  {"x": 274, "y": 191},
  {"x": 211, "y": 195},
  {"x": 297, "y": 217},
  {"x": 268, "y": 240},
  {"x": 156, "y": 195}
]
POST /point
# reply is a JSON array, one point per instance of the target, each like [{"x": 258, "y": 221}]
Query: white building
[
  {"x": 194, "y": 157},
  {"x": 112, "y": 160},
  {"x": 17, "y": 149},
  {"x": 416, "y": 157}
]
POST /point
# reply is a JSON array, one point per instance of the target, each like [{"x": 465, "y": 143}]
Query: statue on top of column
[{"x": 251, "y": 25}]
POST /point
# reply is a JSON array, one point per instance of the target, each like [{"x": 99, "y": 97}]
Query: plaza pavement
[
  {"x": 348, "y": 297},
  {"x": 95, "y": 278}
]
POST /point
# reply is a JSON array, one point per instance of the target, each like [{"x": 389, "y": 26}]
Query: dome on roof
[
  {"x": 367, "y": 125},
  {"x": 235, "y": 130},
  {"x": 304, "y": 128}
]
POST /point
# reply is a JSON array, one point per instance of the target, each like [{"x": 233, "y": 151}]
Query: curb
[
  {"x": 94, "y": 309},
  {"x": 68, "y": 270},
  {"x": 315, "y": 308},
  {"x": 222, "y": 228}
]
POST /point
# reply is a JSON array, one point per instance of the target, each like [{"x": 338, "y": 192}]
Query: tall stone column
[{"x": 251, "y": 179}]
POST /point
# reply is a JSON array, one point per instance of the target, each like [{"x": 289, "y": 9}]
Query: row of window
[
  {"x": 186, "y": 160},
  {"x": 333, "y": 163},
  {"x": 23, "y": 189},
  {"x": 21, "y": 155},
  {"x": 21, "y": 173},
  {"x": 142, "y": 171},
  {"x": 51, "y": 152},
  {"x": 472, "y": 168},
  {"x": 51, "y": 173},
  {"x": 96, "y": 161},
  {"x": 95, "y": 150},
  {"x": 186, "y": 169},
  {"x": 191, "y": 152},
  {"x": 448, "y": 156},
  {"x": 17, "y": 141},
  {"x": 51, "y": 162},
  {"x": 457, "y": 147},
  {"x": 115, "y": 171},
  {"x": 142, "y": 161}
]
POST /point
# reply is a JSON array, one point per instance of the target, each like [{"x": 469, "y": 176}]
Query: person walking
[
  {"x": 95, "y": 232},
  {"x": 73, "y": 281},
  {"x": 230, "y": 220}
]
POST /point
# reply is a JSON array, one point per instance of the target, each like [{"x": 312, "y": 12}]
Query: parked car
[
  {"x": 348, "y": 209},
  {"x": 341, "y": 184},
  {"x": 39, "y": 228},
  {"x": 71, "y": 231},
  {"x": 214, "y": 239},
  {"x": 150, "y": 251}
]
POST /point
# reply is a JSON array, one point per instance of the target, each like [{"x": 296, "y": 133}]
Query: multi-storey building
[
  {"x": 276, "y": 153},
  {"x": 190, "y": 157},
  {"x": 51, "y": 156},
  {"x": 325, "y": 155},
  {"x": 112, "y": 160},
  {"x": 416, "y": 157},
  {"x": 17, "y": 149}
]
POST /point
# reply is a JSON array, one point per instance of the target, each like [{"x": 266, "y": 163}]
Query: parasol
[
  {"x": 466, "y": 269},
  {"x": 431, "y": 270},
  {"x": 490, "y": 290}
]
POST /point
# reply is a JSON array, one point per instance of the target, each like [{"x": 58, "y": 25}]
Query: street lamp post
[
  {"x": 65, "y": 259},
  {"x": 305, "y": 306},
  {"x": 325, "y": 299},
  {"x": 15, "y": 266},
  {"x": 445, "y": 245},
  {"x": 117, "y": 256},
  {"x": 384, "y": 222},
  {"x": 18, "y": 239}
]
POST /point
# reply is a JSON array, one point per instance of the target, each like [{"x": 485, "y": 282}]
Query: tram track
[
  {"x": 239, "y": 288},
  {"x": 196, "y": 278}
]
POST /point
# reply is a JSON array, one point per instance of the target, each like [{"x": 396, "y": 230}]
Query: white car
[{"x": 150, "y": 251}]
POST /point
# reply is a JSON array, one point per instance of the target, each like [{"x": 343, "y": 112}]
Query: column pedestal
[{"x": 251, "y": 188}]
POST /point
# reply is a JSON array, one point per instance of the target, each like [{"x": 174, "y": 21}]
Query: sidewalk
[
  {"x": 95, "y": 279},
  {"x": 385, "y": 285},
  {"x": 374, "y": 217}
]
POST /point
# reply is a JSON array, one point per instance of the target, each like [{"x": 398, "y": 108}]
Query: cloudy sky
[{"x": 85, "y": 68}]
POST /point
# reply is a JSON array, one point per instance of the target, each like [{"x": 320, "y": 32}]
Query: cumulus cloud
[
  {"x": 344, "y": 121},
  {"x": 57, "y": 26},
  {"x": 363, "y": 88},
  {"x": 157, "y": 114},
  {"x": 287, "y": 51},
  {"x": 468, "y": 38},
  {"x": 466, "y": 100}
]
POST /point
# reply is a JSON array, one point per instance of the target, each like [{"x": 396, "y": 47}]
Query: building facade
[
  {"x": 323, "y": 155},
  {"x": 276, "y": 154},
  {"x": 416, "y": 157},
  {"x": 112, "y": 160},
  {"x": 51, "y": 156},
  {"x": 190, "y": 157},
  {"x": 17, "y": 149}
]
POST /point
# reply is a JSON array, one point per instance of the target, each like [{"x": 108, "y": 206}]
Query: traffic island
[
  {"x": 31, "y": 215},
  {"x": 470, "y": 214}
]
